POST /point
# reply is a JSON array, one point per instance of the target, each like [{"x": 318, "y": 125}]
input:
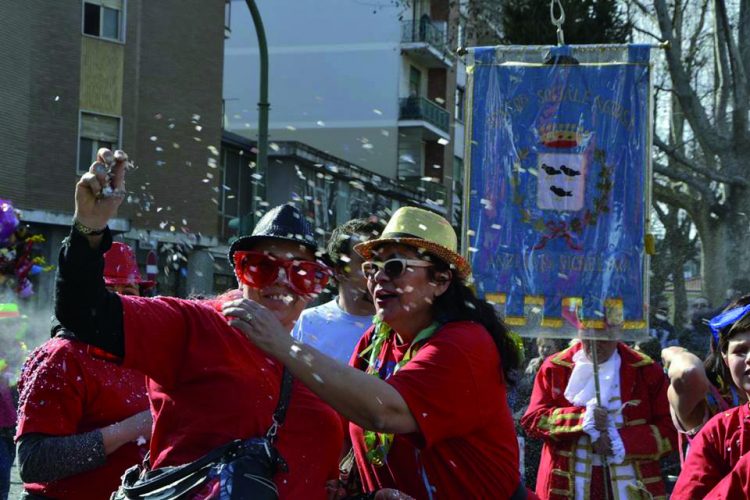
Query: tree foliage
[{"x": 527, "y": 22}]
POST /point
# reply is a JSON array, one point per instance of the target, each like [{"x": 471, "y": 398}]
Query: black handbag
[{"x": 238, "y": 470}]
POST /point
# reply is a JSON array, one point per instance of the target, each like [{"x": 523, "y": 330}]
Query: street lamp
[
  {"x": 243, "y": 224},
  {"x": 263, "y": 104}
]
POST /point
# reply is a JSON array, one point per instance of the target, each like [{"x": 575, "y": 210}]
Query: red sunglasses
[{"x": 259, "y": 269}]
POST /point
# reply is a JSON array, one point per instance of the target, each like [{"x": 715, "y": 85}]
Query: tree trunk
[
  {"x": 724, "y": 245},
  {"x": 680, "y": 297}
]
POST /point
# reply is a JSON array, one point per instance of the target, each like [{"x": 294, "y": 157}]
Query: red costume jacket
[
  {"x": 647, "y": 433},
  {"x": 715, "y": 454},
  {"x": 736, "y": 484}
]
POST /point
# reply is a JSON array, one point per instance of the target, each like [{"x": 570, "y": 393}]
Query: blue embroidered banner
[{"x": 557, "y": 185}]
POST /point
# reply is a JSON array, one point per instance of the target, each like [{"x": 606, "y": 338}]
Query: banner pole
[{"x": 605, "y": 465}]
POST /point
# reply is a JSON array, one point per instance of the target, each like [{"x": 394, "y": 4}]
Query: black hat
[{"x": 284, "y": 222}]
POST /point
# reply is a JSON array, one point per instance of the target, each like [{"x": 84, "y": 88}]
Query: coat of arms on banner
[
  {"x": 561, "y": 181},
  {"x": 561, "y": 172}
]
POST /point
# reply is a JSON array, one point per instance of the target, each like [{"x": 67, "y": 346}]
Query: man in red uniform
[
  {"x": 82, "y": 418},
  {"x": 632, "y": 427}
]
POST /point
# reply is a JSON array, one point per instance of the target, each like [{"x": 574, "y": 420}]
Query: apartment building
[
  {"x": 374, "y": 84},
  {"x": 144, "y": 76}
]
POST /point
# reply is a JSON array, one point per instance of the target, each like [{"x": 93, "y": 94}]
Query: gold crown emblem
[{"x": 561, "y": 135}]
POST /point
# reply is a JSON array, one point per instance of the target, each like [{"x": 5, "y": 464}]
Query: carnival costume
[{"x": 641, "y": 431}]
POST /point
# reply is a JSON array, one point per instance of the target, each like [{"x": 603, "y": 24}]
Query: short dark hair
[
  {"x": 740, "y": 326},
  {"x": 340, "y": 242}
]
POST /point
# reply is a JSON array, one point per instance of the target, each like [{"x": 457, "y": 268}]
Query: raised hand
[{"x": 100, "y": 191}]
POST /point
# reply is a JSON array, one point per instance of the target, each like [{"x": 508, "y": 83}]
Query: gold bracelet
[{"x": 85, "y": 230}]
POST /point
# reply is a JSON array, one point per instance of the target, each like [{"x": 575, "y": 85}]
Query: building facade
[
  {"x": 375, "y": 84},
  {"x": 143, "y": 76}
]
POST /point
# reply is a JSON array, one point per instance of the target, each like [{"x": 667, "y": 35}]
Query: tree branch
[
  {"x": 691, "y": 105},
  {"x": 739, "y": 78},
  {"x": 647, "y": 32},
  {"x": 694, "y": 45},
  {"x": 713, "y": 175},
  {"x": 643, "y": 8},
  {"x": 707, "y": 195},
  {"x": 669, "y": 196}
]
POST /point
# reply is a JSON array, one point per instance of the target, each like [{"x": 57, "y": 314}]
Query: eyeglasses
[
  {"x": 393, "y": 268},
  {"x": 258, "y": 270}
]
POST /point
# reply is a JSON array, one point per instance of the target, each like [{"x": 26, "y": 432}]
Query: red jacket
[
  {"x": 716, "y": 455},
  {"x": 648, "y": 433}
]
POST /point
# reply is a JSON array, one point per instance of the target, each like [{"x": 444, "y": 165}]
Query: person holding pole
[{"x": 605, "y": 441}]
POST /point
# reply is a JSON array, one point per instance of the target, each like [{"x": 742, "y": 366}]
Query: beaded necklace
[{"x": 378, "y": 444}]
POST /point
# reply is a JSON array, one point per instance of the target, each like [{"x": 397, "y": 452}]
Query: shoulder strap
[{"x": 279, "y": 414}]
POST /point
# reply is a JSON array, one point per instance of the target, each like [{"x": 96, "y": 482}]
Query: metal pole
[
  {"x": 263, "y": 104},
  {"x": 605, "y": 465}
]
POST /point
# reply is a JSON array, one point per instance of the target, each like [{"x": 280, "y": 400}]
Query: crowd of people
[{"x": 398, "y": 387}]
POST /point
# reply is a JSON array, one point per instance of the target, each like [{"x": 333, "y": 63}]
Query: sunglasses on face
[
  {"x": 393, "y": 268},
  {"x": 259, "y": 270}
]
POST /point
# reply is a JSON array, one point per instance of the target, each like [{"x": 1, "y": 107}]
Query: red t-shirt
[
  {"x": 714, "y": 452},
  {"x": 466, "y": 446},
  {"x": 66, "y": 389},
  {"x": 209, "y": 385}
]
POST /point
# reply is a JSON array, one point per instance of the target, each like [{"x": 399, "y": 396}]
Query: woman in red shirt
[
  {"x": 426, "y": 396},
  {"x": 725, "y": 439},
  {"x": 82, "y": 420},
  {"x": 207, "y": 385}
]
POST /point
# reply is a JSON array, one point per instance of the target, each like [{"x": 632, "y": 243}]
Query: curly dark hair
[
  {"x": 340, "y": 242},
  {"x": 459, "y": 303}
]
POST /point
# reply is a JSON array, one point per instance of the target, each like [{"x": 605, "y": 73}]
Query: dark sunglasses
[
  {"x": 393, "y": 268},
  {"x": 259, "y": 269}
]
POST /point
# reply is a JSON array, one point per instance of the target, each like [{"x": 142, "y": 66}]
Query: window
[
  {"x": 227, "y": 18},
  {"x": 96, "y": 131},
  {"x": 238, "y": 190},
  {"x": 103, "y": 18},
  {"x": 460, "y": 99},
  {"x": 415, "y": 82}
]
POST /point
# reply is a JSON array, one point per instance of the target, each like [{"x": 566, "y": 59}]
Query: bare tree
[{"x": 701, "y": 166}]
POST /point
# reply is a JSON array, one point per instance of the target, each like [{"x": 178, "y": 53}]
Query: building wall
[
  {"x": 39, "y": 75},
  {"x": 334, "y": 77},
  {"x": 172, "y": 112},
  {"x": 164, "y": 80}
]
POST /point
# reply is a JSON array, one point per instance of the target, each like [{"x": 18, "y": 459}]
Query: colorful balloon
[{"x": 8, "y": 220}]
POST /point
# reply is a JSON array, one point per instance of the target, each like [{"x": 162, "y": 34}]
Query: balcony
[
  {"x": 421, "y": 112},
  {"x": 426, "y": 43}
]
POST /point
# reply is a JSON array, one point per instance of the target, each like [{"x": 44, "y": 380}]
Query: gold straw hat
[{"x": 423, "y": 230}]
